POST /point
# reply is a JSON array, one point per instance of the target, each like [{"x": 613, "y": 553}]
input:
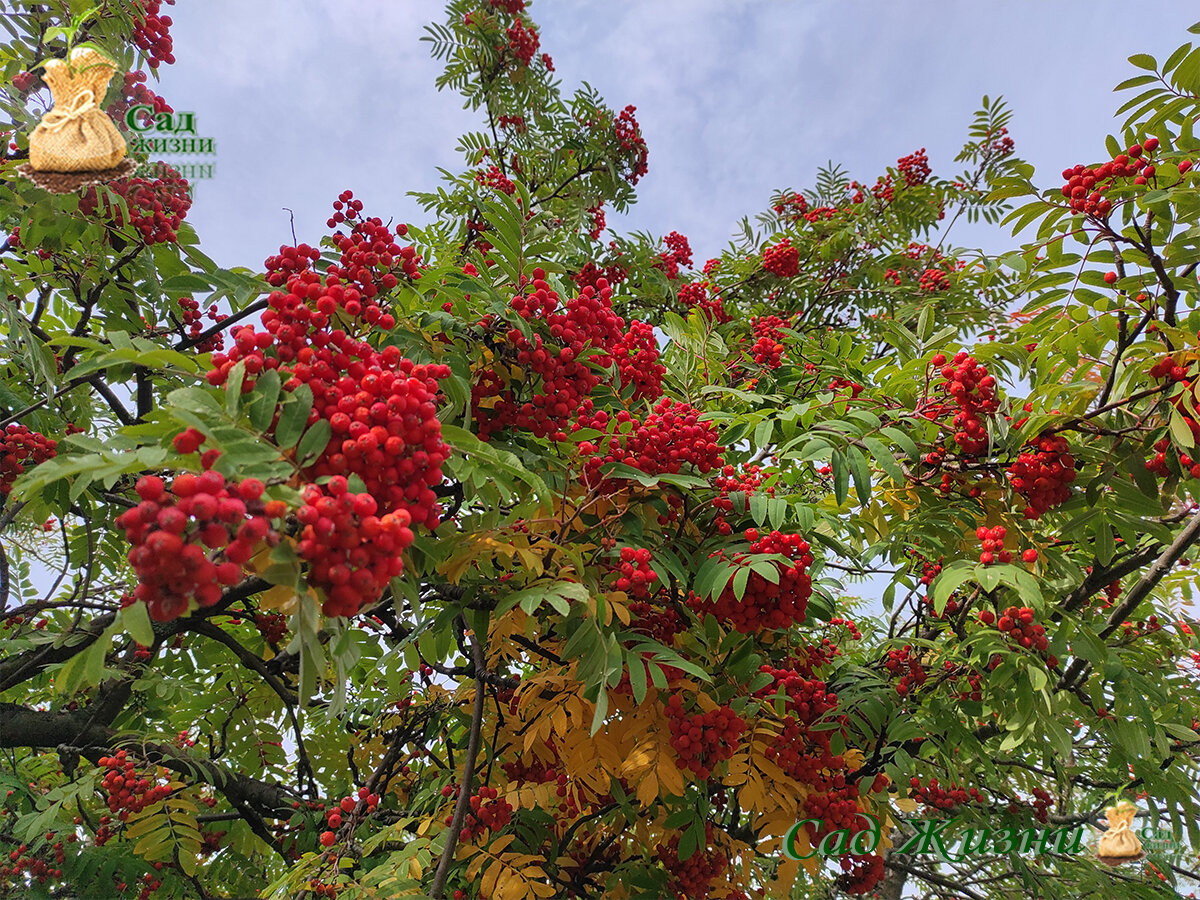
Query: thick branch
[{"x": 464, "y": 788}]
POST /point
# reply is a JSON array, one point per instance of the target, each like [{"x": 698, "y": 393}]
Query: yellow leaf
[
  {"x": 785, "y": 877},
  {"x": 476, "y": 864},
  {"x": 279, "y": 597},
  {"x": 905, "y": 804},
  {"x": 487, "y": 887},
  {"x": 669, "y": 775},
  {"x": 501, "y": 843},
  {"x": 647, "y": 789}
]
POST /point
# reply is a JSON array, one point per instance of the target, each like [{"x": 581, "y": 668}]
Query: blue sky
[{"x": 736, "y": 98}]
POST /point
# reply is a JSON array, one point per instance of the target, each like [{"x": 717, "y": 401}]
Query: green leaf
[
  {"x": 1144, "y": 61},
  {"x": 1181, "y": 432},
  {"x": 314, "y": 442},
  {"x": 293, "y": 417},
  {"x": 862, "y": 474},
  {"x": 233, "y": 389},
  {"x": 136, "y": 620},
  {"x": 264, "y": 399},
  {"x": 841, "y": 476},
  {"x": 948, "y": 581},
  {"x": 190, "y": 283},
  {"x": 884, "y": 457}
]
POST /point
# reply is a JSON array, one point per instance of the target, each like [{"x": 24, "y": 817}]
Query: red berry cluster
[
  {"x": 128, "y": 793},
  {"x": 21, "y": 449},
  {"x": 660, "y": 624},
  {"x": 992, "y": 545},
  {"x": 782, "y": 260},
  {"x": 171, "y": 529},
  {"x": 768, "y": 347},
  {"x": 566, "y": 378},
  {"x": 908, "y": 667},
  {"x": 152, "y": 33},
  {"x": 135, "y": 93},
  {"x": 883, "y": 191},
  {"x": 695, "y": 877},
  {"x": 933, "y": 280},
  {"x": 1168, "y": 368},
  {"x": 635, "y": 574},
  {"x": 628, "y": 136},
  {"x": 382, "y": 407},
  {"x": 1018, "y": 623},
  {"x": 23, "y": 864},
  {"x": 840, "y": 384},
  {"x": 346, "y": 806},
  {"x": 371, "y": 261},
  {"x": 192, "y": 322},
  {"x": 545, "y": 769},
  {"x": 1043, "y": 476},
  {"x": 272, "y": 626},
  {"x": 1042, "y": 800},
  {"x": 591, "y": 274},
  {"x": 597, "y": 214},
  {"x": 24, "y": 82},
  {"x": 496, "y": 180},
  {"x": 860, "y": 874},
  {"x": 929, "y": 570},
  {"x": 702, "y": 740},
  {"x": 488, "y": 812},
  {"x": 703, "y": 296},
  {"x": 791, "y": 206},
  {"x": 800, "y": 750},
  {"x": 974, "y": 689},
  {"x": 288, "y": 262},
  {"x": 1158, "y": 463},
  {"x": 834, "y": 803},
  {"x": 677, "y": 255},
  {"x": 765, "y": 605},
  {"x": 730, "y": 481},
  {"x": 669, "y": 438},
  {"x": 636, "y": 357},
  {"x": 352, "y": 552},
  {"x": 1086, "y": 185},
  {"x": 156, "y": 206},
  {"x": 935, "y": 797},
  {"x": 523, "y": 42},
  {"x": 974, "y": 391},
  {"x": 914, "y": 168}
]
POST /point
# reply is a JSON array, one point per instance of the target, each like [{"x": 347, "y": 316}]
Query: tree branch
[{"x": 464, "y": 788}]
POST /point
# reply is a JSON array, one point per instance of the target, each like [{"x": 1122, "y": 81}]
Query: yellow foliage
[{"x": 279, "y": 597}]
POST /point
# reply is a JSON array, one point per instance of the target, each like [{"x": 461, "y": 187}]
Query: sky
[{"x": 736, "y": 98}]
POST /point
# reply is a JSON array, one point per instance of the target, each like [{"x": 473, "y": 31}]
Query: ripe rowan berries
[
  {"x": 1043, "y": 476},
  {"x": 152, "y": 33},
  {"x": 765, "y": 604},
  {"x": 782, "y": 259},
  {"x": 190, "y": 540},
  {"x": 156, "y": 205},
  {"x": 22, "y": 449},
  {"x": 701, "y": 740}
]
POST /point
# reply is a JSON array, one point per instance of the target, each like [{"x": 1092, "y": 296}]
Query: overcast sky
[{"x": 736, "y": 97}]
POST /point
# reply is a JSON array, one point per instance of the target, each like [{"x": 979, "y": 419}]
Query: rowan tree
[{"x": 498, "y": 556}]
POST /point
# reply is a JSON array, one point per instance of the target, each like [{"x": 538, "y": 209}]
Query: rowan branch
[{"x": 436, "y": 890}]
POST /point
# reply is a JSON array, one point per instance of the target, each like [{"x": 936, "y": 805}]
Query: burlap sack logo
[
  {"x": 1119, "y": 844},
  {"x": 76, "y": 144}
]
